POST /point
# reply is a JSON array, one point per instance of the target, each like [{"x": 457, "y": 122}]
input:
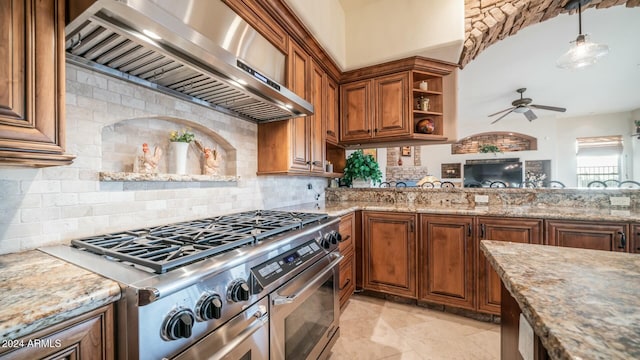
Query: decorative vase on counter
[
  {"x": 178, "y": 162},
  {"x": 360, "y": 184},
  {"x": 425, "y": 126}
]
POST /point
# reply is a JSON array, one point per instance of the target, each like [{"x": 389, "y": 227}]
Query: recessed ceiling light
[{"x": 151, "y": 34}]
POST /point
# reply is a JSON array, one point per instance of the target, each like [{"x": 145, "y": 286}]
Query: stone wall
[
  {"x": 53, "y": 205},
  {"x": 487, "y": 21},
  {"x": 505, "y": 141}
]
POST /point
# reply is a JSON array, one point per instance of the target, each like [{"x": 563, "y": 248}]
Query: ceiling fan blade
[
  {"x": 500, "y": 118},
  {"x": 545, "y": 107},
  {"x": 530, "y": 115},
  {"x": 501, "y": 111}
]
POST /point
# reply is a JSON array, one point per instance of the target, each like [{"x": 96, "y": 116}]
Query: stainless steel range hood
[{"x": 199, "y": 50}]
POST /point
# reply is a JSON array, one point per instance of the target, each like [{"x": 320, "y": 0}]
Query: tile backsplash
[{"x": 46, "y": 206}]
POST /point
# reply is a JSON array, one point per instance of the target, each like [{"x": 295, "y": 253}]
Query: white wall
[
  {"x": 325, "y": 20},
  {"x": 358, "y": 33},
  {"x": 54, "y": 205},
  {"x": 379, "y": 31}
]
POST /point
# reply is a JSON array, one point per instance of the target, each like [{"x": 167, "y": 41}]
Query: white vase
[
  {"x": 178, "y": 163},
  {"x": 359, "y": 183}
]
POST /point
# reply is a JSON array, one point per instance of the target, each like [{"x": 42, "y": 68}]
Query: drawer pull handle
[
  {"x": 623, "y": 240},
  {"x": 469, "y": 230},
  {"x": 482, "y": 230},
  {"x": 345, "y": 284}
]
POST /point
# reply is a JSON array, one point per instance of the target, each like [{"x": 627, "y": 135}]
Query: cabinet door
[
  {"x": 298, "y": 81},
  {"x": 331, "y": 111},
  {"x": 32, "y": 79},
  {"x": 595, "y": 236},
  {"x": 347, "y": 280},
  {"x": 317, "y": 121},
  {"x": 527, "y": 231},
  {"x": 391, "y": 114},
  {"x": 347, "y": 283},
  {"x": 90, "y": 336},
  {"x": 347, "y": 230},
  {"x": 445, "y": 270},
  {"x": 390, "y": 253},
  {"x": 355, "y": 102},
  {"x": 635, "y": 242}
]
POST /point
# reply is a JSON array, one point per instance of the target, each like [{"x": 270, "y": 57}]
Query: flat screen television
[{"x": 483, "y": 174}]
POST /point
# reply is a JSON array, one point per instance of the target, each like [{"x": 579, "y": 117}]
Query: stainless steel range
[{"x": 252, "y": 285}]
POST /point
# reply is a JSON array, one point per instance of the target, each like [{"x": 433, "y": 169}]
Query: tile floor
[{"x": 372, "y": 328}]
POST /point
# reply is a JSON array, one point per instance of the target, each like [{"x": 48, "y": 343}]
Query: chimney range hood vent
[{"x": 197, "y": 50}]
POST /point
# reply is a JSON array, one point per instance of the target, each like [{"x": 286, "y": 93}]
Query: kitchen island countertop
[
  {"x": 583, "y": 304},
  {"x": 39, "y": 290}
]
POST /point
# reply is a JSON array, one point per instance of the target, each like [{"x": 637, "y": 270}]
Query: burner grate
[{"x": 166, "y": 247}]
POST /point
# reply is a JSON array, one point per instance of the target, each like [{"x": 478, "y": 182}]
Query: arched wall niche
[
  {"x": 122, "y": 141},
  {"x": 505, "y": 141}
]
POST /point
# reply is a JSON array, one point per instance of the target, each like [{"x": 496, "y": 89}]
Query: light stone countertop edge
[{"x": 39, "y": 290}]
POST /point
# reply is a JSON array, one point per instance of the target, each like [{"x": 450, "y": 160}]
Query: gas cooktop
[{"x": 166, "y": 247}]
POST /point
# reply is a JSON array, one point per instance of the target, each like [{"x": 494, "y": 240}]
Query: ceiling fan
[{"x": 523, "y": 106}]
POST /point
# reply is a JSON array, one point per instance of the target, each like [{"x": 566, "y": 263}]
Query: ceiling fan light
[
  {"x": 521, "y": 109},
  {"x": 582, "y": 53}
]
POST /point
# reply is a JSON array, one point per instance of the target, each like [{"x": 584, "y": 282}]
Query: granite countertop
[
  {"x": 561, "y": 213},
  {"x": 583, "y": 304},
  {"x": 39, "y": 290}
]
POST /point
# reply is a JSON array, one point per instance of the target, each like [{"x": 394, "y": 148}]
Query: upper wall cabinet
[
  {"x": 32, "y": 76},
  {"x": 410, "y": 100},
  {"x": 297, "y": 146}
]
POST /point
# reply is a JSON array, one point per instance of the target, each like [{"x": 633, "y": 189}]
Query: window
[{"x": 599, "y": 160}]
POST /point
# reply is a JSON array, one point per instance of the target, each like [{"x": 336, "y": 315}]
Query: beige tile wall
[{"x": 54, "y": 205}]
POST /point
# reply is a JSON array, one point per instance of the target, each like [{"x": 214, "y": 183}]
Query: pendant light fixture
[{"x": 582, "y": 52}]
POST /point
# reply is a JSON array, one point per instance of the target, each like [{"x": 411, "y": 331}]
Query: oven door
[
  {"x": 305, "y": 312},
  {"x": 245, "y": 337}
]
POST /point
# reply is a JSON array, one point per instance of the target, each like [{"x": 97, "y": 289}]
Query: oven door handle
[
  {"x": 259, "y": 319},
  {"x": 283, "y": 300}
]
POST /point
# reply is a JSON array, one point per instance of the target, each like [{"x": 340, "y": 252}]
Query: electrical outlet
[
  {"x": 309, "y": 186},
  {"x": 620, "y": 200},
  {"x": 482, "y": 198}
]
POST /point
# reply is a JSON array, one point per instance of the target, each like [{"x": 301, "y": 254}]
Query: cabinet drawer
[
  {"x": 346, "y": 282},
  {"x": 347, "y": 233}
]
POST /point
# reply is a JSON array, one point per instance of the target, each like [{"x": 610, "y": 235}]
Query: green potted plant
[
  {"x": 361, "y": 170},
  {"x": 488, "y": 148}
]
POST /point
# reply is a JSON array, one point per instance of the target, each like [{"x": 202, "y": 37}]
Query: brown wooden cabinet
[
  {"x": 386, "y": 98},
  {"x": 635, "y": 238},
  {"x": 500, "y": 229},
  {"x": 296, "y": 146},
  {"x": 379, "y": 103},
  {"x": 32, "y": 79},
  {"x": 389, "y": 253},
  {"x": 331, "y": 110},
  {"x": 347, "y": 281},
  {"x": 588, "y": 235},
  {"x": 89, "y": 336},
  {"x": 356, "y": 111},
  {"x": 446, "y": 258}
]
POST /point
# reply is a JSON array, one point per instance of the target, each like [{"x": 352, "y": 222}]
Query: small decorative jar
[
  {"x": 424, "y": 103},
  {"x": 424, "y": 85}
]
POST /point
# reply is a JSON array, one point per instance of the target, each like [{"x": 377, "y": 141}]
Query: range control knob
[
  {"x": 325, "y": 242},
  {"x": 238, "y": 291},
  {"x": 209, "y": 307},
  {"x": 179, "y": 324},
  {"x": 336, "y": 237}
]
